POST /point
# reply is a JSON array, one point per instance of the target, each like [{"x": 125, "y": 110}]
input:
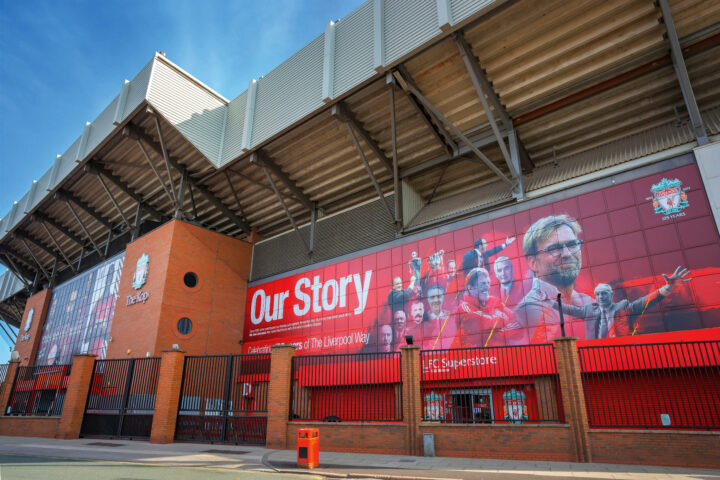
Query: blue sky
[{"x": 62, "y": 62}]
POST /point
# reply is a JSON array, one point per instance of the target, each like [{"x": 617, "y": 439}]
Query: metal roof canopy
[{"x": 448, "y": 100}]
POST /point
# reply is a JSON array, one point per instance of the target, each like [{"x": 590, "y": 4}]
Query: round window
[
  {"x": 190, "y": 279},
  {"x": 184, "y": 326}
]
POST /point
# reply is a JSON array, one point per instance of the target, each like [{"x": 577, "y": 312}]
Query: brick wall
[
  {"x": 384, "y": 438},
  {"x": 44, "y": 427},
  {"x": 167, "y": 400},
  {"x": 683, "y": 449},
  {"x": 215, "y": 306},
  {"x": 518, "y": 442}
]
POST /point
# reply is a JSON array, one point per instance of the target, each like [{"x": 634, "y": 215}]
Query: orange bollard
[{"x": 308, "y": 448}]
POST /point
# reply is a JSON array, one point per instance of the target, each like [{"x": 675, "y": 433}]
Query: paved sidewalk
[{"x": 338, "y": 465}]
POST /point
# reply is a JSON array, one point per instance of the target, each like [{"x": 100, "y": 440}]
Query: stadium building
[{"x": 463, "y": 176}]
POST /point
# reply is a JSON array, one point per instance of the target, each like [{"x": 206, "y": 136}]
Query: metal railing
[
  {"x": 364, "y": 387},
  {"x": 224, "y": 399},
  {"x": 3, "y": 371},
  {"x": 39, "y": 391},
  {"x": 661, "y": 385},
  {"x": 121, "y": 402},
  {"x": 491, "y": 385}
]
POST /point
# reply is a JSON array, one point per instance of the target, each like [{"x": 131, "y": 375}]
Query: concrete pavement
[{"x": 256, "y": 462}]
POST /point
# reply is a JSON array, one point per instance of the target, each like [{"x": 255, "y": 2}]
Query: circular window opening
[
  {"x": 190, "y": 279},
  {"x": 184, "y": 326}
]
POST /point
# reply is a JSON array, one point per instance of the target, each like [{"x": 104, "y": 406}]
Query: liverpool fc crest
[
  {"x": 668, "y": 196},
  {"x": 141, "y": 271}
]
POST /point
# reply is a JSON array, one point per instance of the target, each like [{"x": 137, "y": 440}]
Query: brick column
[
  {"x": 78, "y": 388},
  {"x": 279, "y": 396},
  {"x": 412, "y": 398},
  {"x": 167, "y": 397},
  {"x": 573, "y": 398},
  {"x": 6, "y": 388}
]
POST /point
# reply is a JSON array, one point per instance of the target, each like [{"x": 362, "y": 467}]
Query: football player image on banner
[{"x": 637, "y": 257}]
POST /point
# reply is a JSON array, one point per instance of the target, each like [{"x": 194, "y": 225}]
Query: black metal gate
[
  {"x": 122, "y": 398},
  {"x": 224, "y": 399}
]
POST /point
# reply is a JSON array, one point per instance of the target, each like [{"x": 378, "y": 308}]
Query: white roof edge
[{"x": 68, "y": 163}]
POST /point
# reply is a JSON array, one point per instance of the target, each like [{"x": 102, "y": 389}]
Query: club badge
[
  {"x": 28, "y": 322},
  {"x": 141, "y": 271},
  {"x": 669, "y": 197}
]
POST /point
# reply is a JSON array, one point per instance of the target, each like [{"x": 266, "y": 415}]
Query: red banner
[{"x": 635, "y": 258}]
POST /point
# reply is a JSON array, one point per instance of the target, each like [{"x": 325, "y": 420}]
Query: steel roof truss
[
  {"x": 682, "y": 75},
  {"x": 154, "y": 169},
  {"x": 32, "y": 255},
  {"x": 114, "y": 202},
  {"x": 10, "y": 337},
  {"x": 15, "y": 270},
  {"x": 430, "y": 120},
  {"x": 69, "y": 197},
  {"x": 192, "y": 202},
  {"x": 396, "y": 168},
  {"x": 179, "y": 214},
  {"x": 341, "y": 111},
  {"x": 262, "y": 159},
  {"x": 370, "y": 172},
  {"x": 415, "y": 91},
  {"x": 41, "y": 217},
  {"x": 124, "y": 187},
  {"x": 287, "y": 210},
  {"x": 57, "y": 245},
  {"x": 82, "y": 227},
  {"x": 484, "y": 92},
  {"x": 138, "y": 134},
  {"x": 234, "y": 192},
  {"x": 165, "y": 156}
]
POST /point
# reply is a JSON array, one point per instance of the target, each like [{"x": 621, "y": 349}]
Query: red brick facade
[
  {"x": 28, "y": 341},
  {"x": 215, "y": 306},
  {"x": 279, "y": 396}
]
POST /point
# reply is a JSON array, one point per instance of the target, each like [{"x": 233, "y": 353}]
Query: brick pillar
[
  {"x": 279, "y": 396},
  {"x": 167, "y": 397},
  {"x": 412, "y": 399},
  {"x": 7, "y": 385},
  {"x": 78, "y": 388},
  {"x": 573, "y": 398}
]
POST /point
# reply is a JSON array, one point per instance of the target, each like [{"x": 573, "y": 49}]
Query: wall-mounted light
[{"x": 409, "y": 339}]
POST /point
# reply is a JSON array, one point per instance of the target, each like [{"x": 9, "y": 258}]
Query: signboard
[{"x": 637, "y": 257}]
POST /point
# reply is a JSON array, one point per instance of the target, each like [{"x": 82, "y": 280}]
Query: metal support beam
[
  {"x": 69, "y": 197},
  {"x": 282, "y": 202},
  {"x": 179, "y": 214},
  {"x": 682, "y": 75},
  {"x": 370, "y": 173},
  {"x": 515, "y": 156},
  {"x": 32, "y": 255},
  {"x": 114, "y": 202},
  {"x": 457, "y": 132},
  {"x": 136, "y": 227},
  {"x": 262, "y": 159},
  {"x": 342, "y": 112},
  {"x": 137, "y": 133},
  {"x": 194, "y": 206},
  {"x": 483, "y": 90},
  {"x": 98, "y": 169},
  {"x": 41, "y": 217},
  {"x": 165, "y": 156},
  {"x": 154, "y": 169},
  {"x": 313, "y": 221},
  {"x": 396, "y": 169},
  {"x": 13, "y": 268},
  {"x": 235, "y": 194},
  {"x": 10, "y": 337},
  {"x": 432, "y": 122},
  {"x": 57, "y": 245},
  {"x": 53, "y": 275},
  {"x": 82, "y": 227}
]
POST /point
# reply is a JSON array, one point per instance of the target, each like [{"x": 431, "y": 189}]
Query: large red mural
[{"x": 634, "y": 258}]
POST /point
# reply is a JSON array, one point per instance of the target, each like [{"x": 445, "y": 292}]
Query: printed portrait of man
[
  {"x": 554, "y": 253},
  {"x": 439, "y": 323},
  {"x": 507, "y": 289},
  {"x": 483, "y": 321}
]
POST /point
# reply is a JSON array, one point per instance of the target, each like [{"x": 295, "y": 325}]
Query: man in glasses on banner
[{"x": 553, "y": 252}]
